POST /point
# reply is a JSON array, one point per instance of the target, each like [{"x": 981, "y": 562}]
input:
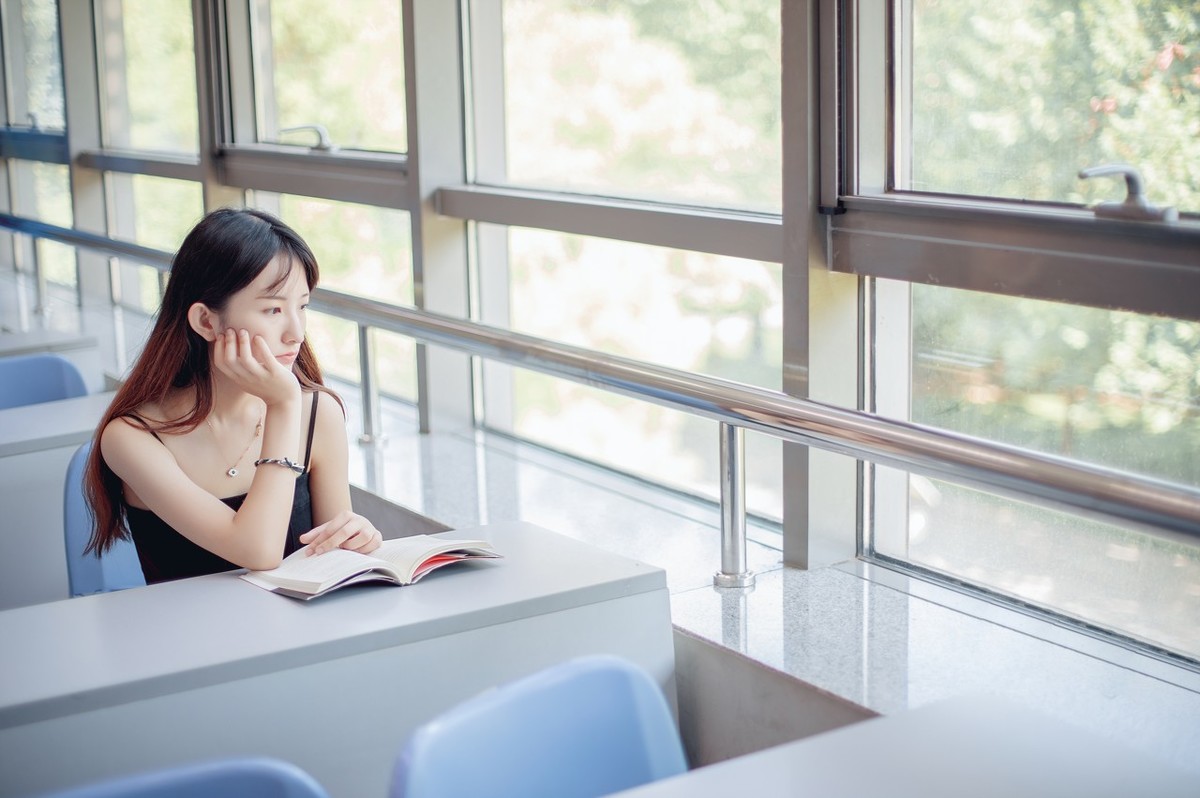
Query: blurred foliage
[
  {"x": 42, "y": 93},
  {"x": 667, "y": 100},
  {"x": 1110, "y": 387},
  {"x": 330, "y": 66},
  {"x": 1013, "y": 99},
  {"x": 155, "y": 107}
]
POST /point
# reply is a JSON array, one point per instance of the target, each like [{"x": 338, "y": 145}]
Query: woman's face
[{"x": 276, "y": 313}]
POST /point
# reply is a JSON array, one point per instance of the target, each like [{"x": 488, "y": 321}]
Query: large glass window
[
  {"x": 338, "y": 65},
  {"x": 670, "y": 100},
  {"x": 1013, "y": 99},
  {"x": 149, "y": 90},
  {"x": 685, "y": 310}
]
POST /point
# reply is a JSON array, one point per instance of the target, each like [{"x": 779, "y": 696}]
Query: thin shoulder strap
[
  {"x": 312, "y": 426},
  {"x": 141, "y": 422}
]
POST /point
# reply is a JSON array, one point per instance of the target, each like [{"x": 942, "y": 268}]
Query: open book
[{"x": 400, "y": 561}]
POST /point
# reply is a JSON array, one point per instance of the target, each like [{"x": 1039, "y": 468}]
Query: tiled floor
[{"x": 861, "y": 633}]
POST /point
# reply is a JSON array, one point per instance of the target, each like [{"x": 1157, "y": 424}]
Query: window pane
[
  {"x": 34, "y": 63},
  {"x": 42, "y": 191},
  {"x": 154, "y": 212},
  {"x": 685, "y": 310},
  {"x": 672, "y": 99},
  {"x": 335, "y": 342},
  {"x": 1108, "y": 387},
  {"x": 149, "y": 76},
  {"x": 1145, "y": 586},
  {"x": 1013, "y": 99},
  {"x": 319, "y": 63}
]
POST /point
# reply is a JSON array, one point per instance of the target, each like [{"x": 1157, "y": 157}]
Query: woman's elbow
[
  {"x": 264, "y": 563},
  {"x": 263, "y": 559}
]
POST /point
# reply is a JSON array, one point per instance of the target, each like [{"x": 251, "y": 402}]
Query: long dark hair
[{"x": 222, "y": 254}]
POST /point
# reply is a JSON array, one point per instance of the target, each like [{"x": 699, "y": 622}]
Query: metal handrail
[
  {"x": 1164, "y": 507},
  {"x": 934, "y": 452}
]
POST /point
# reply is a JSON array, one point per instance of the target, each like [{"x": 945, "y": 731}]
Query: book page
[
  {"x": 407, "y": 553},
  {"x": 330, "y": 566}
]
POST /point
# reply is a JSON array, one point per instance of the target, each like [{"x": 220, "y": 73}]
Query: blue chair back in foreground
[
  {"x": 119, "y": 568},
  {"x": 33, "y": 379},
  {"x": 587, "y": 727},
  {"x": 249, "y": 777}
]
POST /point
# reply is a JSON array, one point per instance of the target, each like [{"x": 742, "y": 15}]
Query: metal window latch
[
  {"x": 1135, "y": 207},
  {"x": 324, "y": 143}
]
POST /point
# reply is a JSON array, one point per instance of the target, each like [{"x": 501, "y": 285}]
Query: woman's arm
[
  {"x": 254, "y": 536},
  {"x": 336, "y": 525}
]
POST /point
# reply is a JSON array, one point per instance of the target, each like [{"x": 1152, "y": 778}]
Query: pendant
[{"x": 233, "y": 472}]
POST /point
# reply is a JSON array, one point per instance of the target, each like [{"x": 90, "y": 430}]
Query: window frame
[{"x": 1050, "y": 251}]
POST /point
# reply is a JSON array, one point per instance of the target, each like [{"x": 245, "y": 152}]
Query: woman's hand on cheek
[
  {"x": 346, "y": 530},
  {"x": 250, "y": 363}
]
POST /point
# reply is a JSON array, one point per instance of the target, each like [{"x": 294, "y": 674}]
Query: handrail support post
[
  {"x": 734, "y": 572},
  {"x": 371, "y": 427}
]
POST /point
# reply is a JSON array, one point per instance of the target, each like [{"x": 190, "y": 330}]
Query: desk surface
[
  {"x": 980, "y": 746},
  {"x": 50, "y": 425},
  {"x": 98, "y": 651},
  {"x": 27, "y": 342}
]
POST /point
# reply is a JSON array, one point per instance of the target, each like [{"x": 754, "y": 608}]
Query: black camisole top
[{"x": 166, "y": 555}]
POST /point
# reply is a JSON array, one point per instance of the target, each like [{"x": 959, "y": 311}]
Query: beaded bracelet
[{"x": 286, "y": 462}]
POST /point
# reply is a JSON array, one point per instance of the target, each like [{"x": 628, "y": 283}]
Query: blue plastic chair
[
  {"x": 33, "y": 379},
  {"x": 249, "y": 777},
  {"x": 119, "y": 568},
  {"x": 588, "y": 727}
]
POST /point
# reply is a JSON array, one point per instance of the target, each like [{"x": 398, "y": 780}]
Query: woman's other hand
[{"x": 346, "y": 530}]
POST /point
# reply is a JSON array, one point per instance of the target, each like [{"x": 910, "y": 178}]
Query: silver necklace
[{"x": 232, "y": 471}]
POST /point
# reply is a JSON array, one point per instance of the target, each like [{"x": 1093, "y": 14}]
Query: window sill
[{"x": 885, "y": 642}]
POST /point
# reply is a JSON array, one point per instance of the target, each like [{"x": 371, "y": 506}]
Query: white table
[
  {"x": 977, "y": 746},
  {"x": 36, "y": 443},
  {"x": 213, "y": 666},
  {"x": 28, "y": 342}
]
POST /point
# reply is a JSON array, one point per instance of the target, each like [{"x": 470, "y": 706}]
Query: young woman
[{"x": 223, "y": 449}]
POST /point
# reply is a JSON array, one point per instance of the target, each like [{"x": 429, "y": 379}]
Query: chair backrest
[
  {"x": 119, "y": 568},
  {"x": 32, "y": 379},
  {"x": 246, "y": 777},
  {"x": 587, "y": 727}
]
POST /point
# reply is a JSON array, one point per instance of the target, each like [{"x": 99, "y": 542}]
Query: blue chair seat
[
  {"x": 119, "y": 568},
  {"x": 588, "y": 727},
  {"x": 33, "y": 379}
]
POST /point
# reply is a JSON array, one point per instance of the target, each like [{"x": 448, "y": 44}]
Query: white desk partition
[
  {"x": 213, "y": 666},
  {"x": 36, "y": 443},
  {"x": 978, "y": 746}
]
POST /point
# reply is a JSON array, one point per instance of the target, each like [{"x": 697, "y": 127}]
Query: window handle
[
  {"x": 323, "y": 144},
  {"x": 1135, "y": 207}
]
